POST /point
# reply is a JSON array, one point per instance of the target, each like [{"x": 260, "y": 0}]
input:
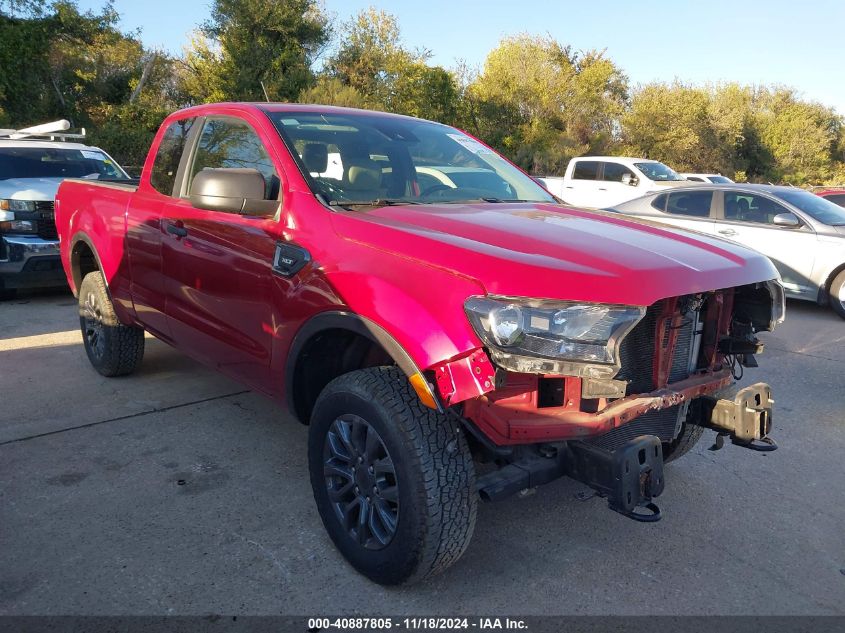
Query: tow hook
[
  {"x": 630, "y": 477},
  {"x": 746, "y": 420}
]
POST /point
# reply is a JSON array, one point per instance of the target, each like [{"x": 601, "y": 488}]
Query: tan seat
[{"x": 362, "y": 179}]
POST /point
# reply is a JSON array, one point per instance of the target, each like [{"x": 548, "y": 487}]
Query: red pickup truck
[{"x": 448, "y": 330}]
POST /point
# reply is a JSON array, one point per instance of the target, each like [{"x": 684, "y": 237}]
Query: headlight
[
  {"x": 539, "y": 336},
  {"x": 18, "y": 226},
  {"x": 15, "y": 205},
  {"x": 778, "y": 303}
]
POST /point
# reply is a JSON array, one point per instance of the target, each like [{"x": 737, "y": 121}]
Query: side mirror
[
  {"x": 789, "y": 220},
  {"x": 232, "y": 191},
  {"x": 630, "y": 179}
]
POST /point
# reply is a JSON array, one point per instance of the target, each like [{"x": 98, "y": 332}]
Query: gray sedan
[{"x": 803, "y": 234}]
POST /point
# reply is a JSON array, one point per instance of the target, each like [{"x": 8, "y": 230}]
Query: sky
[{"x": 784, "y": 42}]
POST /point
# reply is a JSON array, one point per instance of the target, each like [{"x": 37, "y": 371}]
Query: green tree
[
  {"x": 332, "y": 91},
  {"x": 59, "y": 62},
  {"x": 373, "y": 61},
  {"x": 543, "y": 103},
  {"x": 248, "y": 47},
  {"x": 672, "y": 123},
  {"x": 801, "y": 136}
]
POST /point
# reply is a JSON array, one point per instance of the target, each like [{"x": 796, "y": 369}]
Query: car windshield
[
  {"x": 373, "y": 159},
  {"x": 720, "y": 180},
  {"x": 658, "y": 172},
  {"x": 49, "y": 162},
  {"x": 815, "y": 206}
]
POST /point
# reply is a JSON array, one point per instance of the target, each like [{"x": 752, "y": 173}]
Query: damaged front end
[{"x": 598, "y": 393}]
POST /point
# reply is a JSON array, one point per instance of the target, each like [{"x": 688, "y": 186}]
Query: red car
[
  {"x": 836, "y": 196},
  {"x": 426, "y": 307}
]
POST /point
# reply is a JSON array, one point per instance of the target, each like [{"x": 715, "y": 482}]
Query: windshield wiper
[
  {"x": 378, "y": 202},
  {"x": 490, "y": 199}
]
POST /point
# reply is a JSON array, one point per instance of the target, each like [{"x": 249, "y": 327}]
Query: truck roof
[
  {"x": 199, "y": 110},
  {"x": 43, "y": 144},
  {"x": 620, "y": 159}
]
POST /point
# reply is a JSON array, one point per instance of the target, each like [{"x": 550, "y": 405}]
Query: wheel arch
[
  {"x": 824, "y": 291},
  {"x": 84, "y": 259},
  {"x": 336, "y": 342}
]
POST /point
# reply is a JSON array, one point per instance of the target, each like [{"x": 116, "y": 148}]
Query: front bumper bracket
[
  {"x": 746, "y": 420},
  {"x": 630, "y": 477}
]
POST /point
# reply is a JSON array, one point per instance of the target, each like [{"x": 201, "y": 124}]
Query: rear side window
[
  {"x": 695, "y": 178},
  {"x": 614, "y": 172},
  {"x": 231, "y": 143},
  {"x": 659, "y": 202},
  {"x": 692, "y": 203},
  {"x": 169, "y": 153},
  {"x": 586, "y": 170},
  {"x": 837, "y": 198}
]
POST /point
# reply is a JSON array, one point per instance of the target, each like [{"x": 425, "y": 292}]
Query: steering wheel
[{"x": 434, "y": 189}]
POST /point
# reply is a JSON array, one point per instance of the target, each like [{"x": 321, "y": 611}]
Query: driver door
[
  {"x": 218, "y": 265},
  {"x": 747, "y": 218}
]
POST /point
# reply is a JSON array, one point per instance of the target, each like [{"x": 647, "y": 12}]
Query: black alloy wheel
[{"x": 361, "y": 481}]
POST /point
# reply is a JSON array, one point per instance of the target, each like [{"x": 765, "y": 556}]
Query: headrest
[
  {"x": 363, "y": 173},
  {"x": 316, "y": 157}
]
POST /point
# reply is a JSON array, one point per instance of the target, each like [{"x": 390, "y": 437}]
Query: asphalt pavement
[{"x": 176, "y": 491}]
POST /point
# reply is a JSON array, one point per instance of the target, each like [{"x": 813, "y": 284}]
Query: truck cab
[
  {"x": 33, "y": 162},
  {"x": 599, "y": 182}
]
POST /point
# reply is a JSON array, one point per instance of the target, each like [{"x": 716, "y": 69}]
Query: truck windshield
[
  {"x": 815, "y": 206},
  {"x": 49, "y": 162},
  {"x": 658, "y": 172},
  {"x": 375, "y": 159}
]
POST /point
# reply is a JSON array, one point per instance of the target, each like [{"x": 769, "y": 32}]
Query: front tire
[
  {"x": 393, "y": 480},
  {"x": 113, "y": 348},
  {"x": 836, "y": 294},
  {"x": 683, "y": 444}
]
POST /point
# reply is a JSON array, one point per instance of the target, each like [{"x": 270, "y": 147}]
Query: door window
[
  {"x": 586, "y": 170},
  {"x": 690, "y": 203},
  {"x": 231, "y": 143},
  {"x": 748, "y": 207},
  {"x": 614, "y": 172},
  {"x": 168, "y": 156},
  {"x": 837, "y": 198}
]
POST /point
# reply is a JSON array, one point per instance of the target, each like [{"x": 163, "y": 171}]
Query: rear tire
[
  {"x": 113, "y": 348},
  {"x": 393, "y": 480},
  {"x": 836, "y": 294}
]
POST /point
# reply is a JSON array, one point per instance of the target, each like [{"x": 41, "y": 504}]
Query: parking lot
[{"x": 177, "y": 491}]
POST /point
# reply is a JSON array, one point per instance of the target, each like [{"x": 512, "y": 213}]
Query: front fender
[{"x": 421, "y": 308}]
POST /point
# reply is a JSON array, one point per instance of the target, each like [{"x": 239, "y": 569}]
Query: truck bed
[{"x": 93, "y": 212}]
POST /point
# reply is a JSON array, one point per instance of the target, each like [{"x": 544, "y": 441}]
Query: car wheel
[
  {"x": 113, "y": 348},
  {"x": 393, "y": 480},
  {"x": 836, "y": 294}
]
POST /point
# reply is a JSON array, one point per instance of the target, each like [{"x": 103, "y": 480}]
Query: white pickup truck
[
  {"x": 599, "y": 182},
  {"x": 33, "y": 162}
]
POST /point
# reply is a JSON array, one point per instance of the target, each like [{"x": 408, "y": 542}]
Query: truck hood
[
  {"x": 554, "y": 252},
  {"x": 29, "y": 188}
]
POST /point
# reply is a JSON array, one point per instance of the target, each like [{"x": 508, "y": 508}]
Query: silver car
[{"x": 803, "y": 234}]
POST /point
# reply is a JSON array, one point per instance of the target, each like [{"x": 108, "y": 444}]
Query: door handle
[
  {"x": 177, "y": 230},
  {"x": 728, "y": 232},
  {"x": 602, "y": 189}
]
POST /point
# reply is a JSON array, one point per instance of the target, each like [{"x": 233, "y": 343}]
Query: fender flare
[
  {"x": 344, "y": 320},
  {"x": 81, "y": 236}
]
